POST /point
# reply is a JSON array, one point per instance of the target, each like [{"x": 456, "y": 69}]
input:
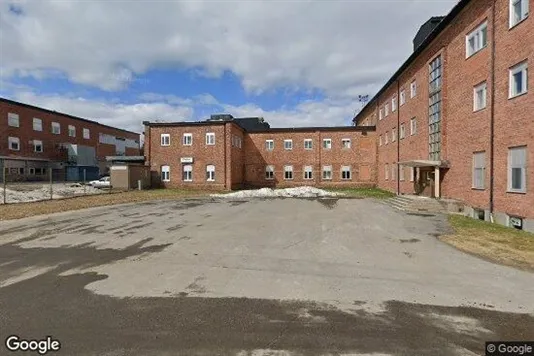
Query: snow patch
[{"x": 298, "y": 192}]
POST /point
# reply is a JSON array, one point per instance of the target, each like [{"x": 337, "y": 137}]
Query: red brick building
[
  {"x": 455, "y": 120},
  {"x": 228, "y": 153},
  {"x": 33, "y": 139}
]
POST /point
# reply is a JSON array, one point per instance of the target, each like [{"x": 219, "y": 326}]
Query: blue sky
[{"x": 296, "y": 63}]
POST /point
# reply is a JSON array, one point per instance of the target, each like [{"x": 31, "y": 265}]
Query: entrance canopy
[{"x": 417, "y": 163}]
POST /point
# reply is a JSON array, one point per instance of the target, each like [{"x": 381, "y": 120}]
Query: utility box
[{"x": 126, "y": 176}]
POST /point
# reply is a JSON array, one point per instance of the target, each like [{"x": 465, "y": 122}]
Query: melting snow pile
[
  {"x": 299, "y": 192},
  {"x": 42, "y": 192}
]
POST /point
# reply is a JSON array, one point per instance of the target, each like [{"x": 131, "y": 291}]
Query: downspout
[
  {"x": 492, "y": 113},
  {"x": 398, "y": 137}
]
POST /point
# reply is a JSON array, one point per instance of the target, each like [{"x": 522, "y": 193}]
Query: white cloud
[{"x": 341, "y": 47}]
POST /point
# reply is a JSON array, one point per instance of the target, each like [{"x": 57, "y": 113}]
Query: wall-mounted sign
[
  {"x": 186, "y": 159},
  {"x": 118, "y": 168}
]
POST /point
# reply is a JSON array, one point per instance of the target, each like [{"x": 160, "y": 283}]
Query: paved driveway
[{"x": 286, "y": 276}]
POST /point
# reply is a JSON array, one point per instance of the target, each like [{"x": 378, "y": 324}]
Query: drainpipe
[
  {"x": 398, "y": 137},
  {"x": 492, "y": 113}
]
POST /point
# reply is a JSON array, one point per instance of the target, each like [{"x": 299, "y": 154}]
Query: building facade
[
  {"x": 234, "y": 153},
  {"x": 455, "y": 120},
  {"x": 33, "y": 139}
]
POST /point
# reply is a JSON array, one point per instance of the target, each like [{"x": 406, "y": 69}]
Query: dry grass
[
  {"x": 22, "y": 210},
  {"x": 363, "y": 192},
  {"x": 493, "y": 242}
]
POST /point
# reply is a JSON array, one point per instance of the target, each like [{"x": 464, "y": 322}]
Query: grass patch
[
  {"x": 493, "y": 242},
  {"x": 22, "y": 210},
  {"x": 363, "y": 192}
]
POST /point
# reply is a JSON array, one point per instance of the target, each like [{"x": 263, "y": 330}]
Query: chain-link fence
[{"x": 20, "y": 185}]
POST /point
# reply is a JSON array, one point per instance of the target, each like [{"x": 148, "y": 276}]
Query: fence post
[
  {"x": 51, "y": 190},
  {"x": 4, "y": 177},
  {"x": 84, "y": 190}
]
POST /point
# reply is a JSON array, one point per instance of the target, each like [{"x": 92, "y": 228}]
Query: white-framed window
[
  {"x": 165, "y": 173},
  {"x": 412, "y": 174},
  {"x": 518, "y": 11},
  {"x": 327, "y": 172},
  {"x": 13, "y": 120},
  {"x": 269, "y": 145},
  {"x": 413, "y": 89},
  {"x": 476, "y": 40},
  {"x": 518, "y": 79},
  {"x": 72, "y": 131},
  {"x": 187, "y": 139},
  {"x": 380, "y": 140},
  {"x": 288, "y": 144},
  {"x": 210, "y": 139},
  {"x": 269, "y": 172},
  {"x": 37, "y": 124},
  {"x": 37, "y": 146},
  {"x": 402, "y": 131},
  {"x": 210, "y": 173},
  {"x": 327, "y": 143},
  {"x": 402, "y": 97},
  {"x": 346, "y": 143},
  {"x": 56, "y": 128},
  {"x": 386, "y": 136},
  {"x": 86, "y": 134},
  {"x": 308, "y": 172},
  {"x": 14, "y": 143},
  {"x": 517, "y": 169},
  {"x": 413, "y": 126},
  {"x": 346, "y": 173},
  {"x": 165, "y": 139},
  {"x": 479, "y": 170},
  {"x": 386, "y": 109},
  {"x": 381, "y": 114},
  {"x": 394, "y": 135},
  {"x": 393, "y": 171},
  {"x": 386, "y": 171},
  {"x": 393, "y": 104},
  {"x": 308, "y": 144},
  {"x": 187, "y": 173},
  {"x": 401, "y": 173},
  {"x": 479, "y": 96},
  {"x": 288, "y": 172}
]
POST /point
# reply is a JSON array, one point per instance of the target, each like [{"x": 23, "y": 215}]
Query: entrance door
[{"x": 426, "y": 182}]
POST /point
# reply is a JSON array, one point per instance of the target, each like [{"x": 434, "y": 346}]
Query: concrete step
[{"x": 415, "y": 203}]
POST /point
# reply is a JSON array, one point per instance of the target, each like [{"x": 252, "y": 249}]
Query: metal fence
[{"x": 38, "y": 184}]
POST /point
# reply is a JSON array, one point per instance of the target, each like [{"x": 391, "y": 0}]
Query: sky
[{"x": 121, "y": 62}]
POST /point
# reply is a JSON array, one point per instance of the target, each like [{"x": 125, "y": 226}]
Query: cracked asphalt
[{"x": 254, "y": 277}]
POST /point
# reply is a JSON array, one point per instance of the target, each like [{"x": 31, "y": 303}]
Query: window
[
  {"x": 386, "y": 171},
  {"x": 518, "y": 11},
  {"x": 210, "y": 173},
  {"x": 412, "y": 174},
  {"x": 13, "y": 119},
  {"x": 14, "y": 143},
  {"x": 165, "y": 173},
  {"x": 479, "y": 167},
  {"x": 518, "y": 79},
  {"x": 288, "y": 144},
  {"x": 477, "y": 40},
  {"x": 413, "y": 89},
  {"x": 56, "y": 128},
  {"x": 37, "y": 124},
  {"x": 86, "y": 134},
  {"x": 393, "y": 135},
  {"x": 210, "y": 139},
  {"x": 402, "y": 97},
  {"x": 517, "y": 167},
  {"x": 308, "y": 144},
  {"x": 393, "y": 171},
  {"x": 327, "y": 143},
  {"x": 269, "y": 172},
  {"x": 188, "y": 139},
  {"x": 381, "y": 114},
  {"x": 37, "y": 146},
  {"x": 434, "y": 109},
  {"x": 187, "y": 173},
  {"x": 413, "y": 126},
  {"x": 402, "y": 131},
  {"x": 479, "y": 97},
  {"x": 345, "y": 173},
  {"x": 386, "y": 136},
  {"x": 288, "y": 172},
  {"x": 386, "y": 110},
  {"x": 345, "y": 143},
  {"x": 401, "y": 173},
  {"x": 165, "y": 139},
  {"x": 269, "y": 145},
  {"x": 308, "y": 172},
  {"x": 393, "y": 104},
  {"x": 72, "y": 131},
  {"x": 327, "y": 172},
  {"x": 380, "y": 140}
]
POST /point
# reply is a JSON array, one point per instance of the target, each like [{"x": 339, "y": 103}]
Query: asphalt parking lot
[{"x": 254, "y": 277}]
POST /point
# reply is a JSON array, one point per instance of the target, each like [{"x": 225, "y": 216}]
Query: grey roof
[{"x": 125, "y": 158}]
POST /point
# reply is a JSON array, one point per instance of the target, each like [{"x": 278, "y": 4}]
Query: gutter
[{"x": 492, "y": 115}]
